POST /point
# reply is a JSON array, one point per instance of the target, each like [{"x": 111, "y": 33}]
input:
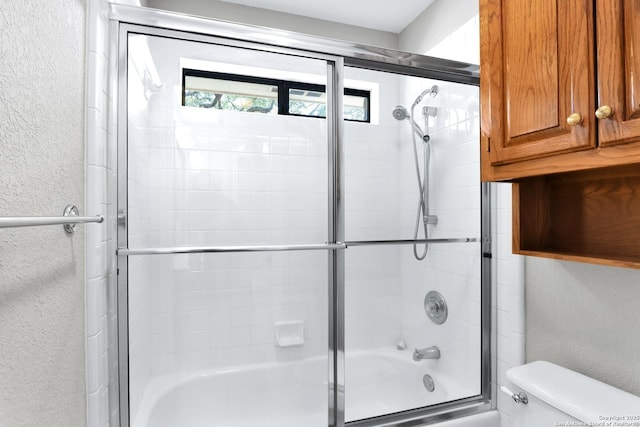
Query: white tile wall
[
  {"x": 99, "y": 271},
  {"x": 219, "y": 311},
  {"x": 509, "y": 299},
  {"x": 373, "y": 211},
  {"x": 140, "y": 299}
]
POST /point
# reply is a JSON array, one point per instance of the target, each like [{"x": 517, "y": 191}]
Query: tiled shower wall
[
  {"x": 385, "y": 286},
  {"x": 140, "y": 185},
  {"x": 373, "y": 211},
  {"x": 212, "y": 310},
  {"x": 451, "y": 269}
]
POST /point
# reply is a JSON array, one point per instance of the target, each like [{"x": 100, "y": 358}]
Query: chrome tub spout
[{"x": 432, "y": 352}]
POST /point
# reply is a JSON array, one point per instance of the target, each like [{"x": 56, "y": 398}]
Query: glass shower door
[
  {"x": 403, "y": 351},
  {"x": 225, "y": 257}
]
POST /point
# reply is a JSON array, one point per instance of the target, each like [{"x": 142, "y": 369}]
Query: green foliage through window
[{"x": 225, "y": 101}]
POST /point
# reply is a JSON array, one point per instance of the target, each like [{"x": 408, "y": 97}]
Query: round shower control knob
[{"x": 436, "y": 307}]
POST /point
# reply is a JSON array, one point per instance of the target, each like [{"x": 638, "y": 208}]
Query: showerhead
[{"x": 400, "y": 113}]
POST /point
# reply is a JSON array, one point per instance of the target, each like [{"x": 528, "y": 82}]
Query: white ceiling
[{"x": 383, "y": 15}]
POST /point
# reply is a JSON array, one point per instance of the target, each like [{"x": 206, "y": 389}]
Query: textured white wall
[
  {"x": 266, "y": 18},
  {"x": 42, "y": 333},
  {"x": 586, "y": 318}
]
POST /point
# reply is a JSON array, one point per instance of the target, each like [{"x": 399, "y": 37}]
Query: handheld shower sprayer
[
  {"x": 433, "y": 91},
  {"x": 423, "y": 218}
]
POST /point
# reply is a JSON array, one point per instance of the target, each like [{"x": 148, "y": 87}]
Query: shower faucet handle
[{"x": 434, "y": 307}]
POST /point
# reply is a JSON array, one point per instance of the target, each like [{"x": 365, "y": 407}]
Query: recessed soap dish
[{"x": 289, "y": 334}]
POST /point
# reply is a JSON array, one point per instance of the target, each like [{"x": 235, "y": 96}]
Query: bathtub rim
[{"x": 453, "y": 409}]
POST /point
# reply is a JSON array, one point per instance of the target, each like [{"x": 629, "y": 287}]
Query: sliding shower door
[
  {"x": 413, "y": 319},
  {"x": 226, "y": 234}
]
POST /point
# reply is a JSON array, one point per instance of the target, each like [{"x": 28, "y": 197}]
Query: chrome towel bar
[
  {"x": 69, "y": 220},
  {"x": 411, "y": 241}
]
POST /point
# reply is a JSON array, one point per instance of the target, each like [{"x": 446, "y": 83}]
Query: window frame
[{"x": 284, "y": 86}]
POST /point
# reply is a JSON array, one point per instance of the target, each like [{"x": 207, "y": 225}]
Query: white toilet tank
[{"x": 560, "y": 397}]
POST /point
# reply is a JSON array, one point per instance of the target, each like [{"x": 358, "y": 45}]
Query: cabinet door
[
  {"x": 618, "y": 57},
  {"x": 536, "y": 70}
]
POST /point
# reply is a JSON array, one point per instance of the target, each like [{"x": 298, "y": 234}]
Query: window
[{"x": 233, "y": 92}]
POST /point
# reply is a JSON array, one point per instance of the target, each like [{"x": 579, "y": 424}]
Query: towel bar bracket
[{"x": 70, "y": 210}]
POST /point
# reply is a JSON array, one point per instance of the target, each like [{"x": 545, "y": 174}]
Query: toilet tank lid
[{"x": 582, "y": 397}]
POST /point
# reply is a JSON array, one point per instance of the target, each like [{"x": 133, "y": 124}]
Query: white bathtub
[
  {"x": 380, "y": 382},
  {"x": 390, "y": 381}
]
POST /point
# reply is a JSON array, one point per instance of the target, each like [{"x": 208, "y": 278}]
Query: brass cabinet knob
[
  {"x": 574, "y": 119},
  {"x": 604, "y": 112}
]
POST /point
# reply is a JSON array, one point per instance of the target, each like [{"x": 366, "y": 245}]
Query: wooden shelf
[
  {"x": 587, "y": 216},
  {"x": 591, "y": 259}
]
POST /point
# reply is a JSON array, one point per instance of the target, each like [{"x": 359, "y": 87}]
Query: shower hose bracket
[{"x": 431, "y": 219}]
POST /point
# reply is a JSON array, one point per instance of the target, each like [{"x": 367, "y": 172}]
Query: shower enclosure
[{"x": 266, "y": 212}]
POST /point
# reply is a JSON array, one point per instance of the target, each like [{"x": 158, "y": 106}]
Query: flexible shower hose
[{"x": 423, "y": 186}]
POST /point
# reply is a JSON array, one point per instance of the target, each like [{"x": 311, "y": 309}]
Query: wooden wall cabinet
[
  {"x": 546, "y": 67},
  {"x": 560, "y": 118},
  {"x": 537, "y": 70}
]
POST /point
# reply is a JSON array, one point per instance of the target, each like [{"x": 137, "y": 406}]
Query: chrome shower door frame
[{"x": 337, "y": 55}]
